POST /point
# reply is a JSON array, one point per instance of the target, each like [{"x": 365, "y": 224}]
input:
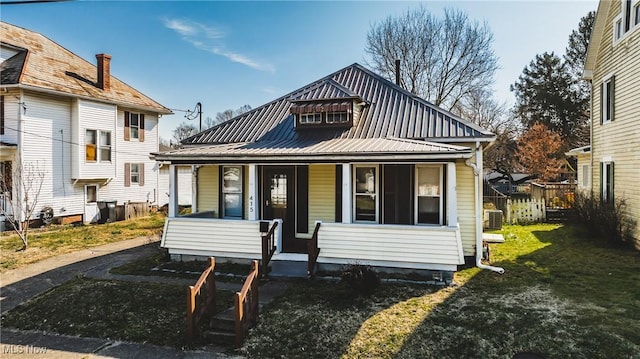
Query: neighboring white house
[
  {"x": 90, "y": 133},
  {"x": 351, "y": 164}
]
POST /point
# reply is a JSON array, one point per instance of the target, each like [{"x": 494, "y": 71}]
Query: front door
[{"x": 278, "y": 201}]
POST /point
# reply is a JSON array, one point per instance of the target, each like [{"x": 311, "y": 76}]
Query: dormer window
[
  {"x": 310, "y": 118},
  {"x": 326, "y": 113}
]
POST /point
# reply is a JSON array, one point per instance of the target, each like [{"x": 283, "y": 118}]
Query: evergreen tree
[{"x": 547, "y": 93}]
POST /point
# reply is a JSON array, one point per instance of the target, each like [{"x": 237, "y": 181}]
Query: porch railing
[
  {"x": 313, "y": 252},
  {"x": 268, "y": 248},
  {"x": 201, "y": 304},
  {"x": 246, "y": 305}
]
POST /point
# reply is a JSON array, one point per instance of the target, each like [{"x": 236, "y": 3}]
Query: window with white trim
[
  {"x": 310, "y": 118},
  {"x": 607, "y": 97},
  {"x": 586, "y": 171},
  {"x": 91, "y": 146},
  {"x": 617, "y": 28},
  {"x": 337, "y": 117},
  {"x": 429, "y": 202},
  {"x": 134, "y": 125},
  {"x": 636, "y": 13},
  {"x": 105, "y": 146},
  {"x": 232, "y": 191},
  {"x": 134, "y": 173},
  {"x": 365, "y": 193},
  {"x": 606, "y": 190}
]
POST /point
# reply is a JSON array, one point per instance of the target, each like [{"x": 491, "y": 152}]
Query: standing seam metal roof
[{"x": 390, "y": 112}]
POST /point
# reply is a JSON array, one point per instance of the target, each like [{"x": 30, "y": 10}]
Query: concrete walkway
[{"x": 20, "y": 285}]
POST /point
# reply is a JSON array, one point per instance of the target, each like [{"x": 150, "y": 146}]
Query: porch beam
[
  {"x": 173, "y": 191},
  {"x": 346, "y": 193},
  {"x": 253, "y": 192},
  {"x": 452, "y": 195}
]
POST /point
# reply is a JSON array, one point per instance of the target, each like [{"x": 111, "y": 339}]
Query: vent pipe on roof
[
  {"x": 104, "y": 71},
  {"x": 398, "y": 72}
]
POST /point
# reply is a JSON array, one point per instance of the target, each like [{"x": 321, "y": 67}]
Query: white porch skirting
[
  {"x": 400, "y": 246},
  {"x": 417, "y": 247}
]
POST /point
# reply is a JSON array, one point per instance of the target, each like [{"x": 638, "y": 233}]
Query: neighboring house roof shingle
[
  {"x": 390, "y": 112},
  {"x": 45, "y": 65}
]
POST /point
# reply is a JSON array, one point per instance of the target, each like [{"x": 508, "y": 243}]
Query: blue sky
[{"x": 228, "y": 54}]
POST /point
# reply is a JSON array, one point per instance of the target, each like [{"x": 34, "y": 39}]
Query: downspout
[{"x": 478, "y": 206}]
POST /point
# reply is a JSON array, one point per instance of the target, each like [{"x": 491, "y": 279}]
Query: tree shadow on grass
[{"x": 565, "y": 295}]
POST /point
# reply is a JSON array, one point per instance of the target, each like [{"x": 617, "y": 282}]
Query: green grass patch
[
  {"x": 138, "y": 312},
  {"x": 563, "y": 295},
  {"x": 56, "y": 240}
]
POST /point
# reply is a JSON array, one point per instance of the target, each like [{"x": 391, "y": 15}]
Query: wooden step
[
  {"x": 219, "y": 337},
  {"x": 224, "y": 321}
]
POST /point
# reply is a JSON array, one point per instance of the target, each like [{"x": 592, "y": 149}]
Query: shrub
[
  {"x": 364, "y": 279},
  {"x": 607, "y": 218}
]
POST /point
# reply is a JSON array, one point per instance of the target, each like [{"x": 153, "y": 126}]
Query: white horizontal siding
[
  {"x": 226, "y": 238},
  {"x": 466, "y": 207},
  {"x": 399, "y": 246},
  {"x": 11, "y": 109},
  {"x": 100, "y": 117},
  {"x": 184, "y": 185},
  {"x": 48, "y": 146}
]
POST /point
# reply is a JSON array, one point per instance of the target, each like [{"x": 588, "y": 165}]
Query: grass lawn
[
  {"x": 563, "y": 295},
  {"x": 139, "y": 312},
  {"x": 64, "y": 239}
]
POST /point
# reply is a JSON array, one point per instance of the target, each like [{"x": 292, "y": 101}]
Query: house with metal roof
[
  {"x": 86, "y": 131},
  {"x": 348, "y": 169}
]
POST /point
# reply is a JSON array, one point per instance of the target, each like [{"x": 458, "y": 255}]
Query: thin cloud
[{"x": 210, "y": 39}]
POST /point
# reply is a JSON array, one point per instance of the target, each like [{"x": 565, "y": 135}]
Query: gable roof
[
  {"x": 389, "y": 112},
  {"x": 43, "y": 65},
  {"x": 596, "y": 38}
]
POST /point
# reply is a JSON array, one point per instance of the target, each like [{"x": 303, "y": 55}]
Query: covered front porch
[{"x": 384, "y": 214}]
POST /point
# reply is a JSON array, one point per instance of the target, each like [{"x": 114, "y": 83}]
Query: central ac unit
[{"x": 493, "y": 219}]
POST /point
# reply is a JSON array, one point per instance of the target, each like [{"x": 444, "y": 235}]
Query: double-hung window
[
  {"x": 366, "y": 193},
  {"x": 91, "y": 145},
  {"x": 606, "y": 178},
  {"x": 135, "y": 173},
  {"x": 232, "y": 191},
  {"x": 134, "y": 125},
  {"x": 429, "y": 195},
  {"x": 97, "y": 146},
  {"x": 607, "y": 92}
]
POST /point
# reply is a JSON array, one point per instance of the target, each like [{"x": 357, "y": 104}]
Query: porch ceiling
[{"x": 322, "y": 150}]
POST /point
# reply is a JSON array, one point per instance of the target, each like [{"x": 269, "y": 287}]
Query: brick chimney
[{"x": 104, "y": 71}]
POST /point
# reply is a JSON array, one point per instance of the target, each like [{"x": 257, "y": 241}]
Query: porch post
[
  {"x": 253, "y": 192},
  {"x": 173, "y": 191},
  {"x": 452, "y": 195},
  {"x": 194, "y": 188},
  {"x": 346, "y": 193}
]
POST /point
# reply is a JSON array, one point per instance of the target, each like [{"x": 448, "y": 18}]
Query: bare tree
[
  {"x": 21, "y": 205},
  {"x": 183, "y": 131},
  {"x": 443, "y": 59},
  {"x": 226, "y": 115}
]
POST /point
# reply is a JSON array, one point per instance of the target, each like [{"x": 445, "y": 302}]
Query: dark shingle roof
[{"x": 390, "y": 112}]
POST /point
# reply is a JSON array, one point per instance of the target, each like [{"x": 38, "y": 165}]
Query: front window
[
  {"x": 232, "y": 191},
  {"x": 91, "y": 146},
  {"x": 105, "y": 146},
  {"x": 366, "y": 193},
  {"x": 135, "y": 173},
  {"x": 429, "y": 195},
  {"x": 134, "y": 125}
]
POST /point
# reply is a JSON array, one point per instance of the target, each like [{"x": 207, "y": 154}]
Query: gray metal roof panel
[{"x": 390, "y": 112}]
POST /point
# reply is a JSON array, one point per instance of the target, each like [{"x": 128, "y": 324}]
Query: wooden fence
[
  {"x": 246, "y": 305},
  {"x": 199, "y": 304},
  {"x": 525, "y": 210}
]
